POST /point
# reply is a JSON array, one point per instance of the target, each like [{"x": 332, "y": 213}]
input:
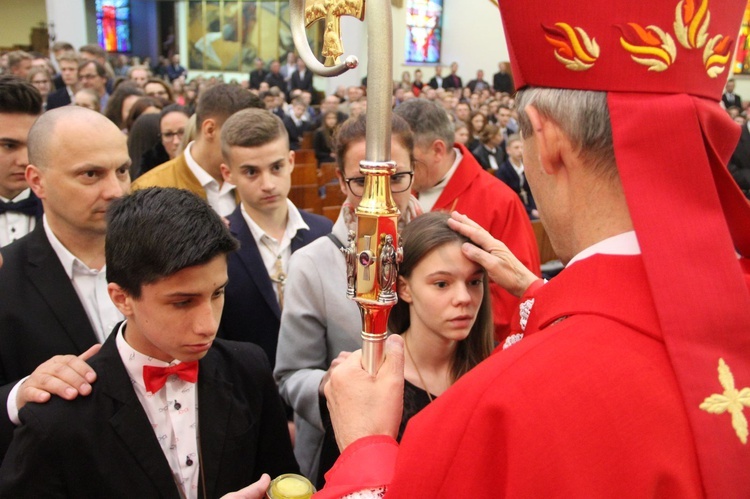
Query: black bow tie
[{"x": 28, "y": 206}]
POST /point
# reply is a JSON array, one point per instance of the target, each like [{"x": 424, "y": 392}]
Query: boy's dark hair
[
  {"x": 18, "y": 96},
  {"x": 156, "y": 232},
  {"x": 222, "y": 101}
]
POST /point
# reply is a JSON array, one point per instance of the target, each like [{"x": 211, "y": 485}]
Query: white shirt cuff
[{"x": 11, "y": 404}]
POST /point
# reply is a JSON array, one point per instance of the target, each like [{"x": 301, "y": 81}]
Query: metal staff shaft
[{"x": 374, "y": 252}]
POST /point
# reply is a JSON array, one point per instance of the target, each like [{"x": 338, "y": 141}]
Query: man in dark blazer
[
  {"x": 258, "y": 74},
  {"x": 453, "y": 81},
  {"x": 502, "y": 81},
  {"x": 53, "y": 303},
  {"x": 302, "y": 78},
  {"x": 511, "y": 172},
  {"x": 268, "y": 226},
  {"x": 437, "y": 80},
  {"x": 20, "y": 209},
  {"x": 274, "y": 78},
  {"x": 739, "y": 165},
  {"x": 729, "y": 98},
  {"x": 166, "y": 251},
  {"x": 68, "y": 62}
]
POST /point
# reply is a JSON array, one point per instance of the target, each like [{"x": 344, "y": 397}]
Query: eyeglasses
[
  {"x": 172, "y": 135},
  {"x": 400, "y": 182},
  {"x": 88, "y": 77}
]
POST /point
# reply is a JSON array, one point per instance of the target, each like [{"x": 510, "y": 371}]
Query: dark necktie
[
  {"x": 155, "y": 377},
  {"x": 28, "y": 206}
]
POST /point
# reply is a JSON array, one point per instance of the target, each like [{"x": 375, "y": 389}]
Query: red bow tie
[{"x": 155, "y": 377}]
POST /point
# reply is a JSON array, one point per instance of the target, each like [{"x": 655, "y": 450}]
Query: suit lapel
[
  {"x": 215, "y": 405},
  {"x": 249, "y": 255},
  {"x": 131, "y": 423},
  {"x": 302, "y": 237},
  {"x": 47, "y": 274}
]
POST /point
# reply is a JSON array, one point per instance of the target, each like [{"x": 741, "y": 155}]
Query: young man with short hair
[
  {"x": 269, "y": 227},
  {"x": 20, "y": 209},
  {"x": 68, "y": 63},
  {"x": 198, "y": 168},
  {"x": 174, "y": 412}
]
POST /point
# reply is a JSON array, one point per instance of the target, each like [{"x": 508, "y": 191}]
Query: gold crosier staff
[{"x": 374, "y": 252}]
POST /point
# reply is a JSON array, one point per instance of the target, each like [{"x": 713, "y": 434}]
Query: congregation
[
  {"x": 82, "y": 130},
  {"x": 89, "y": 139}
]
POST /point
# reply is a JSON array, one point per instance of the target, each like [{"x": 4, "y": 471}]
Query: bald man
[{"x": 54, "y": 306}]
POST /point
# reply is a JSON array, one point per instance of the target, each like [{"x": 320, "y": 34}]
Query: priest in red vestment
[{"x": 628, "y": 374}]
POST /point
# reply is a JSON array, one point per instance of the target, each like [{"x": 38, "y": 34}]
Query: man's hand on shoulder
[{"x": 66, "y": 376}]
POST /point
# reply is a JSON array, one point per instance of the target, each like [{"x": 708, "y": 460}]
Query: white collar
[
  {"x": 24, "y": 194},
  {"x": 294, "y": 223},
  {"x": 202, "y": 175},
  {"x": 68, "y": 260},
  {"x": 135, "y": 360},
  {"x": 621, "y": 244}
]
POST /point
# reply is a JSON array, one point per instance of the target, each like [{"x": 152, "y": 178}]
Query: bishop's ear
[{"x": 549, "y": 140}]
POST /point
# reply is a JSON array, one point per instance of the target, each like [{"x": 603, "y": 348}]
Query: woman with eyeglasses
[
  {"x": 319, "y": 322},
  {"x": 39, "y": 77},
  {"x": 172, "y": 123}
]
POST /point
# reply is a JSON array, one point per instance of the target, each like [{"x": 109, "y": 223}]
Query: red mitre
[{"x": 664, "y": 64}]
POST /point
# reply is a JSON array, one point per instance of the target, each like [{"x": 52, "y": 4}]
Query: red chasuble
[{"x": 585, "y": 405}]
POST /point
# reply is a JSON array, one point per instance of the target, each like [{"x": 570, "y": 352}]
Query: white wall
[
  {"x": 18, "y": 17},
  {"x": 69, "y": 19},
  {"x": 472, "y": 36}
]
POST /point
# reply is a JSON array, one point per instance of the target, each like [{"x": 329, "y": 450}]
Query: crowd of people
[
  {"x": 92, "y": 130},
  {"x": 175, "y": 326}
]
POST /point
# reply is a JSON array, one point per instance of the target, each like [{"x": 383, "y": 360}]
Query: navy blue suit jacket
[
  {"x": 507, "y": 174},
  {"x": 251, "y": 310}
]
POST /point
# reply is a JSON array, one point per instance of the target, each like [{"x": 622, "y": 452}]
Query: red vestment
[
  {"x": 493, "y": 205},
  {"x": 585, "y": 405}
]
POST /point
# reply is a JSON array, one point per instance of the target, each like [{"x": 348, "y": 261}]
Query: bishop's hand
[
  {"x": 362, "y": 405},
  {"x": 502, "y": 266}
]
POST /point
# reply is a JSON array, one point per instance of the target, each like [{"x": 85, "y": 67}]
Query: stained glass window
[
  {"x": 113, "y": 25},
  {"x": 424, "y": 30}
]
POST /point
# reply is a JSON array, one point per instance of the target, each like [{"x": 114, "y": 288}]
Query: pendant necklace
[{"x": 421, "y": 379}]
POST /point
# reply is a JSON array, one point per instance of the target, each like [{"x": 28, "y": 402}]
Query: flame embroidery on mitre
[
  {"x": 716, "y": 54},
  {"x": 650, "y": 46},
  {"x": 691, "y": 24},
  {"x": 573, "y": 46}
]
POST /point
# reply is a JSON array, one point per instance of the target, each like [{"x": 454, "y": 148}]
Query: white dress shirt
[
  {"x": 90, "y": 286},
  {"x": 13, "y": 225},
  {"x": 172, "y": 412},
  {"x": 220, "y": 197},
  {"x": 429, "y": 197},
  {"x": 272, "y": 249}
]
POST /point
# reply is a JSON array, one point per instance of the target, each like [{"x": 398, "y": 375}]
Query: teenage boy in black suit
[
  {"x": 174, "y": 412},
  {"x": 257, "y": 160}
]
